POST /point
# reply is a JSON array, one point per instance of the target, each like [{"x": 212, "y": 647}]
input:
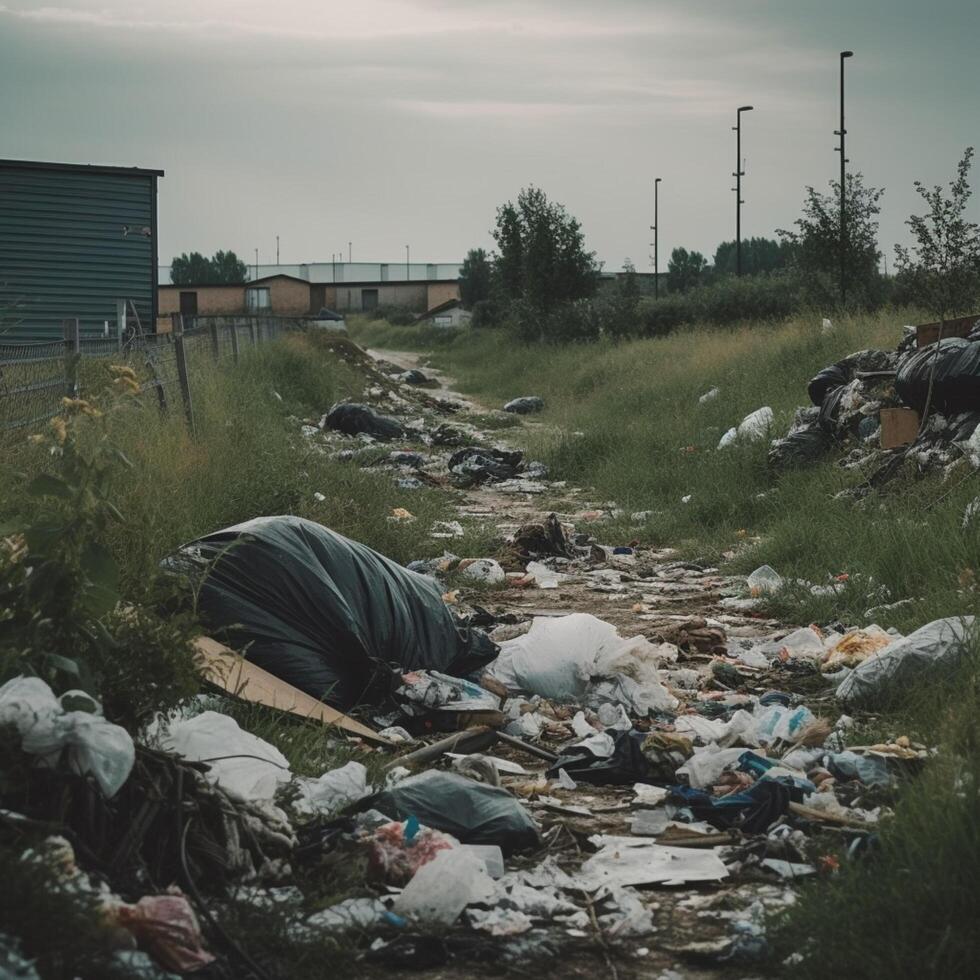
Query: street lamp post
[
  {"x": 738, "y": 175},
  {"x": 408, "y": 264},
  {"x": 842, "y": 132},
  {"x": 656, "y": 234}
]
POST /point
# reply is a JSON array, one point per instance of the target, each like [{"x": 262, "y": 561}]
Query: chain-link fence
[{"x": 34, "y": 377}]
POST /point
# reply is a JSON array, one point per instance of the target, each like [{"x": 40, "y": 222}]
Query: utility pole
[
  {"x": 655, "y": 228},
  {"x": 277, "y": 250},
  {"x": 842, "y": 132},
  {"x": 256, "y": 263},
  {"x": 408, "y": 264},
  {"x": 349, "y": 260},
  {"x": 738, "y": 175},
  {"x": 333, "y": 266}
]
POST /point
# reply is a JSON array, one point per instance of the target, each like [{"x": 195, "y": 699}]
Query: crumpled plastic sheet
[
  {"x": 905, "y": 662},
  {"x": 333, "y": 790},
  {"x": 245, "y": 766},
  {"x": 96, "y": 746},
  {"x": 582, "y": 659}
]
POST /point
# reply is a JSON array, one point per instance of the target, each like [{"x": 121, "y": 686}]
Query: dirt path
[{"x": 643, "y": 592}]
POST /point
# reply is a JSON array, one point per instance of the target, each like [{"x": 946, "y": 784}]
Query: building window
[
  {"x": 188, "y": 304},
  {"x": 257, "y": 299}
]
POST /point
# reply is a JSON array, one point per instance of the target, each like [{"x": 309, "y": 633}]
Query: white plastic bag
[
  {"x": 581, "y": 658},
  {"x": 752, "y": 428},
  {"x": 333, "y": 790},
  {"x": 444, "y": 886},
  {"x": 97, "y": 747},
  {"x": 245, "y": 765},
  {"x": 904, "y": 662},
  {"x": 764, "y": 579},
  {"x": 486, "y": 570}
]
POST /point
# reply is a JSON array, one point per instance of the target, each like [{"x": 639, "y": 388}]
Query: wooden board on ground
[
  {"x": 928, "y": 333},
  {"x": 231, "y": 672},
  {"x": 899, "y": 427}
]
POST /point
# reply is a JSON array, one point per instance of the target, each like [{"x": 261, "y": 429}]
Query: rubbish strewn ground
[{"x": 634, "y": 789}]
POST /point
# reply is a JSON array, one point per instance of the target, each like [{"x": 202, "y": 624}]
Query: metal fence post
[
  {"x": 121, "y": 305},
  {"x": 234, "y": 340},
  {"x": 215, "y": 342},
  {"x": 181, "y": 357},
  {"x": 251, "y": 331},
  {"x": 72, "y": 330}
]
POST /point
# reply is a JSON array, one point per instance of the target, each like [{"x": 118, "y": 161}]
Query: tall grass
[{"x": 246, "y": 459}]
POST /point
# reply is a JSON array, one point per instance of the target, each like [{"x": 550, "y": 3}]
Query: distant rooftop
[{"x": 338, "y": 272}]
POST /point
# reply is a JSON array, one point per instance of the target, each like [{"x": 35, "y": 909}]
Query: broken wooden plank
[
  {"x": 236, "y": 676},
  {"x": 465, "y": 742}
]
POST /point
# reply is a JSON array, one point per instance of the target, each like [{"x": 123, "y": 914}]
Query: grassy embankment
[{"x": 626, "y": 419}]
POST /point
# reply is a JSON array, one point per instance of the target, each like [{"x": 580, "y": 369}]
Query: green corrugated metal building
[{"x": 74, "y": 240}]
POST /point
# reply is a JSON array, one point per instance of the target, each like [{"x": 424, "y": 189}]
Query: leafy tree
[
  {"x": 190, "y": 270},
  {"x": 942, "y": 270},
  {"x": 619, "y": 312},
  {"x": 224, "y": 268},
  {"x": 815, "y": 245},
  {"x": 542, "y": 258},
  {"x": 475, "y": 278},
  {"x": 684, "y": 270},
  {"x": 758, "y": 255}
]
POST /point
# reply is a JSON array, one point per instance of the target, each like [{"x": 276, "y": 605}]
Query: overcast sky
[{"x": 386, "y": 122}]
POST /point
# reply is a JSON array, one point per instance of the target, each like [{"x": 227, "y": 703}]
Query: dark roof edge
[{"x": 90, "y": 168}]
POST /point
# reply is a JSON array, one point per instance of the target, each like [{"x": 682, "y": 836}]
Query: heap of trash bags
[{"x": 939, "y": 381}]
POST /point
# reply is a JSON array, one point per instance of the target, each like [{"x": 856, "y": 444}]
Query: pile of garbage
[{"x": 932, "y": 391}]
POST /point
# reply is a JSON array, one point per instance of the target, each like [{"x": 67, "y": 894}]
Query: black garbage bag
[
  {"x": 845, "y": 370},
  {"x": 352, "y": 418},
  {"x": 826, "y": 380},
  {"x": 956, "y": 386},
  {"x": 751, "y": 810},
  {"x": 322, "y": 612},
  {"x": 480, "y": 464},
  {"x": 525, "y": 405},
  {"x": 802, "y": 446},
  {"x": 626, "y": 765},
  {"x": 474, "y": 813},
  {"x": 830, "y": 411}
]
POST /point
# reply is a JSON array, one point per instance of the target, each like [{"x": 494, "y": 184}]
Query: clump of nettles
[{"x": 62, "y": 617}]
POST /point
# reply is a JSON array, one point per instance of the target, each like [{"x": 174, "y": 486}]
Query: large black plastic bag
[
  {"x": 472, "y": 812},
  {"x": 956, "y": 386},
  {"x": 352, "y": 419},
  {"x": 322, "y": 612}
]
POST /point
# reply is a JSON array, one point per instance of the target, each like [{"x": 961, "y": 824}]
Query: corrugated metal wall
[{"x": 64, "y": 251}]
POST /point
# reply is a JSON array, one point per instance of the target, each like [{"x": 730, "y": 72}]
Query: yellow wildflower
[{"x": 60, "y": 427}]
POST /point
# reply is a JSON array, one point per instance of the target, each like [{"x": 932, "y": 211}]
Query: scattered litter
[
  {"x": 440, "y": 890},
  {"x": 907, "y": 661},
  {"x": 242, "y": 764},
  {"x": 95, "y": 746},
  {"x": 525, "y": 405},
  {"x": 642, "y": 863},
  {"x": 353, "y": 419},
  {"x": 471, "y": 812}
]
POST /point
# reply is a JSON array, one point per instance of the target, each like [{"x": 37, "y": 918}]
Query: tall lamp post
[
  {"x": 842, "y": 132},
  {"x": 738, "y": 175},
  {"x": 656, "y": 234},
  {"x": 408, "y": 264}
]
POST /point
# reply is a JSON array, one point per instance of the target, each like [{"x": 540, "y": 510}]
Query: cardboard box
[
  {"x": 899, "y": 427},
  {"x": 928, "y": 333}
]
